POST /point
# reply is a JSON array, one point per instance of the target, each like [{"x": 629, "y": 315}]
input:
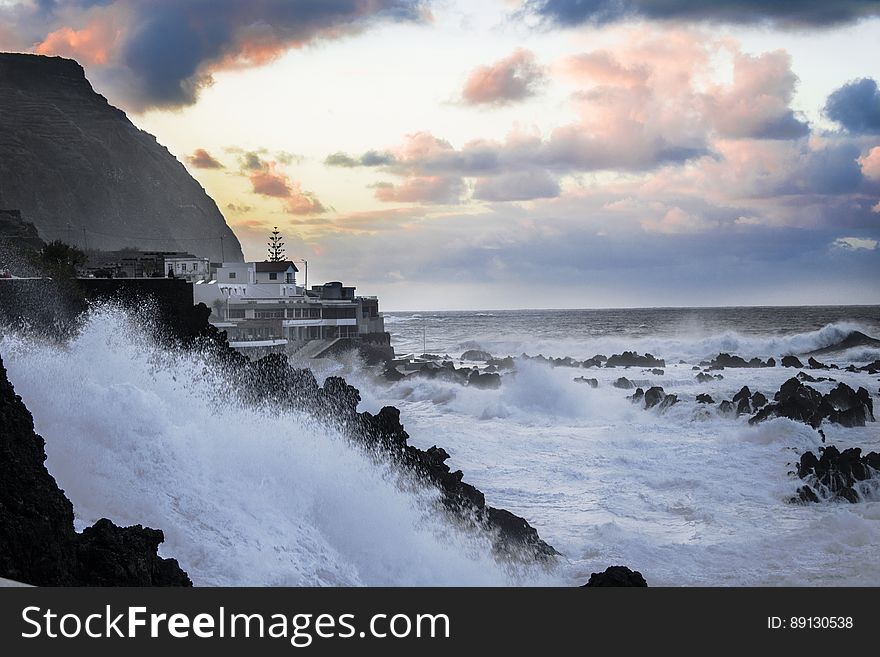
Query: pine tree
[{"x": 276, "y": 246}]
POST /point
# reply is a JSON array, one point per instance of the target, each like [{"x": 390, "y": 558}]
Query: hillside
[{"x": 80, "y": 171}]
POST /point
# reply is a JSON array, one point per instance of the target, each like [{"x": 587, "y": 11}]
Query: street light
[{"x": 306, "y": 263}]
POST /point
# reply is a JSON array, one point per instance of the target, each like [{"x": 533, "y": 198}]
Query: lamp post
[{"x": 306, "y": 263}]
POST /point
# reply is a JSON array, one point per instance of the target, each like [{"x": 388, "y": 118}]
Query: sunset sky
[{"x": 503, "y": 154}]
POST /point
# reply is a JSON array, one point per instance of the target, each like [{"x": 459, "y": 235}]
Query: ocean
[{"x": 248, "y": 496}]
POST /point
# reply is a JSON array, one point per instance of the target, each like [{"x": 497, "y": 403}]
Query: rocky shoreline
[
  {"x": 834, "y": 476},
  {"x": 39, "y": 546},
  {"x": 41, "y": 523}
]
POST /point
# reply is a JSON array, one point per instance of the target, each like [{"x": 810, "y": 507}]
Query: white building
[
  {"x": 260, "y": 304},
  {"x": 188, "y": 266}
]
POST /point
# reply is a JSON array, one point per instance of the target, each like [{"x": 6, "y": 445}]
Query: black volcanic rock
[
  {"x": 668, "y": 400},
  {"x": 484, "y": 381},
  {"x": 744, "y": 393},
  {"x": 38, "y": 544},
  {"x": 624, "y": 383},
  {"x": 70, "y": 162},
  {"x": 477, "y": 354},
  {"x": 632, "y": 359},
  {"x": 723, "y": 360},
  {"x": 816, "y": 365},
  {"x": 795, "y": 401},
  {"x": 506, "y": 363},
  {"x": 617, "y": 576},
  {"x": 593, "y": 383},
  {"x": 653, "y": 396},
  {"x": 835, "y": 474},
  {"x": 703, "y": 398},
  {"x": 800, "y": 402},
  {"x": 791, "y": 361},
  {"x": 852, "y": 408}
]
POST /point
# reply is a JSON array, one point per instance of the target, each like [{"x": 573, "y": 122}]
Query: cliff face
[
  {"x": 38, "y": 544},
  {"x": 81, "y": 172}
]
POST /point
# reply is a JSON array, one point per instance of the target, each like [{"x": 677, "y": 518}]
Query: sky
[{"x": 445, "y": 154}]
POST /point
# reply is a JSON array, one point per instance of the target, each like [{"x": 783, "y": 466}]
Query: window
[
  {"x": 236, "y": 313},
  {"x": 273, "y": 276},
  {"x": 231, "y": 275}
]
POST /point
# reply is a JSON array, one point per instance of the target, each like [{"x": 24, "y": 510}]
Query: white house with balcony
[{"x": 259, "y": 304}]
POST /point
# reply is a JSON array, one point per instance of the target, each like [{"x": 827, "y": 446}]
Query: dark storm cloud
[
  {"x": 162, "y": 52},
  {"x": 856, "y": 106},
  {"x": 786, "y": 13}
]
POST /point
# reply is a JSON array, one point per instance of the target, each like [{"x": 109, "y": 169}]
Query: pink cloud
[
  {"x": 508, "y": 80},
  {"x": 96, "y": 43},
  {"x": 422, "y": 189},
  {"x": 202, "y": 159},
  {"x": 870, "y": 164},
  {"x": 756, "y": 104},
  {"x": 601, "y": 67},
  {"x": 268, "y": 181}
]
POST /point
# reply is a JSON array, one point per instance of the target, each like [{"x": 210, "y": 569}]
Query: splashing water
[{"x": 245, "y": 496}]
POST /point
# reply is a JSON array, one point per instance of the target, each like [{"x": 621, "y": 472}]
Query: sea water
[{"x": 253, "y": 496}]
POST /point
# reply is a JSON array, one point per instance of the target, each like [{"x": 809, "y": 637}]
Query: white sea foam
[
  {"x": 244, "y": 496},
  {"x": 247, "y": 497},
  {"x": 685, "y": 495},
  {"x": 689, "y": 343}
]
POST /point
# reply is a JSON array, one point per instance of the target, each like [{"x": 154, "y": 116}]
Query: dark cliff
[{"x": 81, "y": 172}]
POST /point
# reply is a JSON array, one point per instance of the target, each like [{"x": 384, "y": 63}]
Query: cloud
[
  {"x": 517, "y": 186},
  {"x": 202, "y": 159},
  {"x": 756, "y": 105},
  {"x": 856, "y": 106},
  {"x": 855, "y": 243},
  {"x": 163, "y": 52},
  {"x": 676, "y": 221},
  {"x": 422, "y": 189},
  {"x": 506, "y": 81},
  {"x": 270, "y": 183},
  {"x": 783, "y": 14},
  {"x": 368, "y": 159},
  {"x": 267, "y": 180},
  {"x": 239, "y": 208},
  {"x": 91, "y": 45},
  {"x": 870, "y": 164}
]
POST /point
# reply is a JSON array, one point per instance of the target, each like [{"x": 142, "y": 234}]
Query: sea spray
[{"x": 245, "y": 496}]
